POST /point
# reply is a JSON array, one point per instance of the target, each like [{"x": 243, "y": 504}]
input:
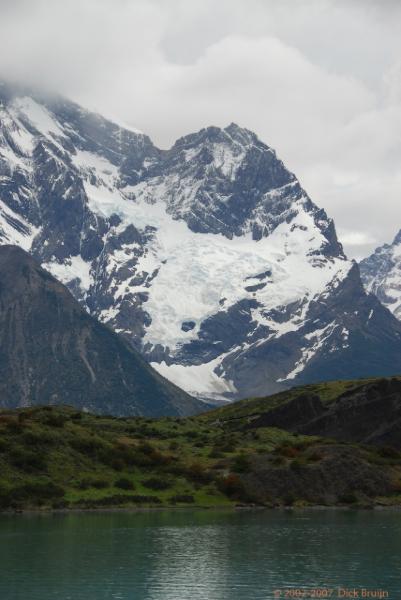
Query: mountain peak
[
  {"x": 243, "y": 136},
  {"x": 397, "y": 239},
  {"x": 209, "y": 257},
  {"x": 380, "y": 274}
]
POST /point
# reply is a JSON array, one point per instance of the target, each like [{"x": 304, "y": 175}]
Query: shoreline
[{"x": 233, "y": 509}]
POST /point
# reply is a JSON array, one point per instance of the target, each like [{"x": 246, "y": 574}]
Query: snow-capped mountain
[
  {"x": 209, "y": 257},
  {"x": 381, "y": 274}
]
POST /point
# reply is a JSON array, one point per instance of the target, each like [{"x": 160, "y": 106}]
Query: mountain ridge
[{"x": 209, "y": 257}]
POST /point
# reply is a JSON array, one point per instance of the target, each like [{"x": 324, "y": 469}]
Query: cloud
[{"x": 318, "y": 80}]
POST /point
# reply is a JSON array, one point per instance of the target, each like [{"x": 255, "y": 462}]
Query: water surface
[{"x": 198, "y": 555}]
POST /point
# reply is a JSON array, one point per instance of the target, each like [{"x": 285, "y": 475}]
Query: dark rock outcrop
[{"x": 368, "y": 413}]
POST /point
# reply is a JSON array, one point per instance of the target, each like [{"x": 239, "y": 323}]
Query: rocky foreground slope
[{"x": 209, "y": 258}]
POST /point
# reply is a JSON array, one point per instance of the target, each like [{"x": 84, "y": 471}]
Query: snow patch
[
  {"x": 196, "y": 379},
  {"x": 72, "y": 268},
  {"x": 38, "y": 116}
]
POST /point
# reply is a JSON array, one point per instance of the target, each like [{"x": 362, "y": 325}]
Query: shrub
[
  {"x": 182, "y": 498},
  {"x": 241, "y": 463},
  {"x": 296, "y": 465},
  {"x": 215, "y": 453},
  {"x": 153, "y": 483},
  {"x": 55, "y": 420},
  {"x": 141, "y": 499},
  {"x": 32, "y": 493},
  {"x": 315, "y": 456},
  {"x": 124, "y": 484},
  {"x": 90, "y": 446},
  {"x": 14, "y": 426},
  {"x": 231, "y": 486},
  {"x": 117, "y": 464},
  {"x": 60, "y": 504},
  {"x": 287, "y": 451},
  {"x": 97, "y": 483},
  {"x": 37, "y": 438},
  {"x": 146, "y": 448},
  {"x": 348, "y": 498},
  {"x": 278, "y": 461},
  {"x": 389, "y": 452},
  {"x": 289, "y": 499},
  {"x": 396, "y": 487},
  {"x": 28, "y": 461},
  {"x": 197, "y": 472}
]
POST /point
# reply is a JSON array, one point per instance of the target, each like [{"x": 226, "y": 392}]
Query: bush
[
  {"x": 153, "y": 483},
  {"x": 28, "y": 461},
  {"x": 55, "y": 421},
  {"x": 289, "y": 499},
  {"x": 278, "y": 461},
  {"x": 287, "y": 451},
  {"x": 146, "y": 448},
  {"x": 241, "y": 464},
  {"x": 97, "y": 483},
  {"x": 396, "y": 487},
  {"x": 389, "y": 452},
  {"x": 14, "y": 426},
  {"x": 197, "y": 472},
  {"x": 349, "y": 498},
  {"x": 141, "y": 499},
  {"x": 215, "y": 453},
  {"x": 231, "y": 486},
  {"x": 182, "y": 498},
  {"x": 148, "y": 456},
  {"x": 38, "y": 438},
  {"x": 315, "y": 456},
  {"x": 124, "y": 484},
  {"x": 32, "y": 493},
  {"x": 90, "y": 446},
  {"x": 296, "y": 465}
]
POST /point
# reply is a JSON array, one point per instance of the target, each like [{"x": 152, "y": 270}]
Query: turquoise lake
[{"x": 199, "y": 555}]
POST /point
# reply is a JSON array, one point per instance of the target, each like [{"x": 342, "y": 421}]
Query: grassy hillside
[{"x": 56, "y": 457}]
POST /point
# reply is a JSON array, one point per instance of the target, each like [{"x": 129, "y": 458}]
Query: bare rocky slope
[{"x": 53, "y": 352}]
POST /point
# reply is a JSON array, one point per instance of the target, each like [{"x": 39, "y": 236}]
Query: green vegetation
[
  {"x": 54, "y": 457},
  {"x": 58, "y": 458}
]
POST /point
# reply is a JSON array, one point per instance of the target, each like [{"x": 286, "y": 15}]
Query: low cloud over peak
[{"x": 320, "y": 81}]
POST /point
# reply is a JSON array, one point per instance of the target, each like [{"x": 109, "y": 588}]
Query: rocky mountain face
[
  {"x": 369, "y": 412},
  {"x": 381, "y": 274},
  {"x": 53, "y": 352},
  {"x": 209, "y": 257}
]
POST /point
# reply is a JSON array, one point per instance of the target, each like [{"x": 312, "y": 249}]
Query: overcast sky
[{"x": 318, "y": 80}]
